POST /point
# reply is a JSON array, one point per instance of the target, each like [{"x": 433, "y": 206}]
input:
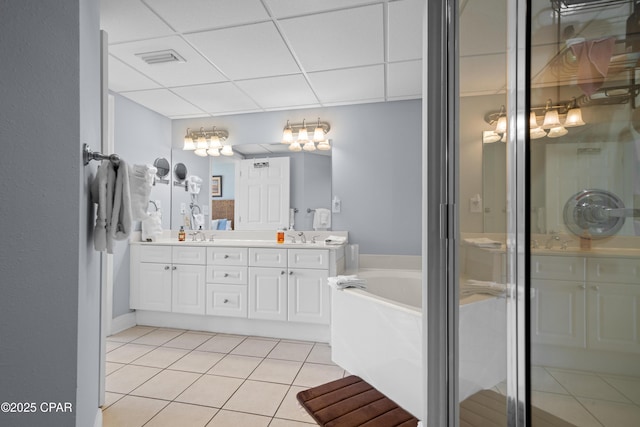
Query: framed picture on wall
[{"x": 216, "y": 186}]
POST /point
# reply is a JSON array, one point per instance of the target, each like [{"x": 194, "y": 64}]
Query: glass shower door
[{"x": 584, "y": 204}]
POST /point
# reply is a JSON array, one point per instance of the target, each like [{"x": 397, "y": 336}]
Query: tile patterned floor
[
  {"x": 167, "y": 377},
  {"x": 586, "y": 399}
]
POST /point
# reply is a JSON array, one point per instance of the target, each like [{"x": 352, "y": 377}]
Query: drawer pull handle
[
  {"x": 166, "y": 267},
  {"x": 225, "y": 301},
  {"x": 282, "y": 272},
  {"x": 226, "y": 274},
  {"x": 290, "y": 273},
  {"x": 226, "y": 256},
  {"x": 174, "y": 268}
]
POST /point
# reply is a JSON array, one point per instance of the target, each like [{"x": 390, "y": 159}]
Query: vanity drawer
[
  {"x": 308, "y": 258},
  {"x": 614, "y": 270},
  {"x": 149, "y": 253},
  {"x": 227, "y": 300},
  {"x": 227, "y": 256},
  {"x": 558, "y": 267},
  {"x": 232, "y": 275},
  {"x": 263, "y": 257},
  {"x": 189, "y": 255}
]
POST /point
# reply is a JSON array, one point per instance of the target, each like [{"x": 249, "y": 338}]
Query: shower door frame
[{"x": 441, "y": 219}]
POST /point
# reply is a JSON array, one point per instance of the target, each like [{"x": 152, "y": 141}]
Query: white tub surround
[
  {"x": 377, "y": 334},
  {"x": 236, "y": 284}
]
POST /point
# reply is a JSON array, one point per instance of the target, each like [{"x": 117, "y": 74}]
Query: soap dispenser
[{"x": 181, "y": 234}]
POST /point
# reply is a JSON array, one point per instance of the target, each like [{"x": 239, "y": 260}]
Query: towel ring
[{"x": 154, "y": 204}]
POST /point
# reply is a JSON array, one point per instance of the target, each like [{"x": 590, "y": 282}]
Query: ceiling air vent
[{"x": 161, "y": 57}]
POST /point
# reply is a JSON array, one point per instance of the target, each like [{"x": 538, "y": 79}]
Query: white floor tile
[
  {"x": 277, "y": 422},
  {"x": 257, "y": 397},
  {"x": 210, "y": 390},
  {"x": 197, "y": 361},
  {"x": 276, "y": 371},
  {"x": 226, "y": 418},
  {"x": 613, "y": 414},
  {"x": 314, "y": 374},
  {"x": 161, "y": 357},
  {"x": 291, "y": 351},
  {"x": 111, "y": 398},
  {"x": 254, "y": 347},
  {"x": 220, "y": 343},
  {"x": 321, "y": 353},
  {"x": 111, "y": 367},
  {"x": 130, "y": 334},
  {"x": 131, "y": 411},
  {"x": 128, "y": 353},
  {"x": 235, "y": 366},
  {"x": 129, "y": 377},
  {"x": 166, "y": 385},
  {"x": 188, "y": 340},
  {"x": 291, "y": 409},
  {"x": 182, "y": 414},
  {"x": 565, "y": 407},
  {"x": 158, "y": 337},
  {"x": 630, "y": 387},
  {"x": 543, "y": 381},
  {"x": 587, "y": 385}
]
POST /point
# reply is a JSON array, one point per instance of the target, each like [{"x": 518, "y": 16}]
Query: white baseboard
[
  {"x": 122, "y": 322},
  {"x": 98, "y": 420}
]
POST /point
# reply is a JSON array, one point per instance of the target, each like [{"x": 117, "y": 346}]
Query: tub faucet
[
  {"x": 554, "y": 236},
  {"x": 303, "y": 238}
]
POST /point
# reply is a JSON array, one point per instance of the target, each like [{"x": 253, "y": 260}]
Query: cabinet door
[
  {"x": 188, "y": 289},
  {"x": 308, "y": 296},
  {"x": 613, "y": 318},
  {"x": 154, "y": 287},
  {"x": 227, "y": 300},
  {"x": 558, "y": 313},
  {"x": 268, "y": 293}
]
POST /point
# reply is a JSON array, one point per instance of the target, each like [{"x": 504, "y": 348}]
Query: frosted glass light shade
[
  {"x": 501, "y": 126},
  {"x": 324, "y": 145},
  {"x": 202, "y": 152},
  {"x": 551, "y": 120},
  {"x": 226, "y": 150},
  {"x": 537, "y": 133},
  {"x": 318, "y": 134},
  {"x": 574, "y": 118},
  {"x": 557, "y": 131},
  {"x": 303, "y": 135},
  {"x": 489, "y": 136},
  {"x": 295, "y": 146},
  {"x": 287, "y": 134},
  {"x": 202, "y": 143},
  {"x": 309, "y": 146},
  {"x": 215, "y": 152},
  {"x": 188, "y": 144},
  {"x": 215, "y": 142}
]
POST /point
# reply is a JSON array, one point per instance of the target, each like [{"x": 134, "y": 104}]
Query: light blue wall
[
  {"x": 227, "y": 170},
  {"x": 50, "y": 305}
]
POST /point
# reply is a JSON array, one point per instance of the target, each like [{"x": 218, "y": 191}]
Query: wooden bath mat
[
  {"x": 489, "y": 409},
  {"x": 351, "y": 402}
]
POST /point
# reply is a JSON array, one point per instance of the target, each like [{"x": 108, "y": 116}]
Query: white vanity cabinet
[
  {"x": 308, "y": 293},
  {"x": 166, "y": 278},
  {"x": 227, "y": 281}
]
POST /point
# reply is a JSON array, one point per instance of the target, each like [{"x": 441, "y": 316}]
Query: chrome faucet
[
  {"x": 197, "y": 234},
  {"x": 303, "y": 238},
  {"x": 313, "y": 239},
  {"x": 211, "y": 237},
  {"x": 554, "y": 237}
]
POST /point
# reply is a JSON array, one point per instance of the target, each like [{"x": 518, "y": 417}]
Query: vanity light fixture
[
  {"x": 207, "y": 143},
  {"x": 555, "y": 119},
  {"x": 297, "y": 136},
  {"x": 489, "y": 137}
]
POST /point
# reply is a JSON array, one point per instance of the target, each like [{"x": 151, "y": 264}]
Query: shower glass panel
[
  {"x": 584, "y": 204},
  {"x": 482, "y": 309}
]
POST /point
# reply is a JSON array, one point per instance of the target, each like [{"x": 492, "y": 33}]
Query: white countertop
[{"x": 240, "y": 243}]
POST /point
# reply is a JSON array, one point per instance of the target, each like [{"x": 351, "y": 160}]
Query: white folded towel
[
  {"x": 321, "y": 219},
  {"x": 335, "y": 240},
  {"x": 140, "y": 183},
  {"x": 151, "y": 227},
  {"x": 342, "y": 282},
  {"x": 483, "y": 242},
  {"x": 472, "y": 287}
]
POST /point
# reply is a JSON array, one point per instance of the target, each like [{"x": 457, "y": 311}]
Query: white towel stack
[
  {"x": 335, "y": 240},
  {"x": 483, "y": 242},
  {"x": 140, "y": 182},
  {"x": 472, "y": 287},
  {"x": 342, "y": 282},
  {"x": 151, "y": 227}
]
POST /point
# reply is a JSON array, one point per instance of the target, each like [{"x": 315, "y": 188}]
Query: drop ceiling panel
[
  {"x": 126, "y": 20},
  {"x": 353, "y": 84},
  {"x": 280, "y": 92},
  {"x": 246, "y": 52},
  {"x": 196, "y": 70},
  {"x": 340, "y": 39},
  {"x": 123, "y": 78},
  {"x": 164, "y": 102},
  {"x": 482, "y": 74},
  {"x": 405, "y": 30},
  {"x": 404, "y": 80},
  {"x": 285, "y": 8},
  {"x": 217, "y": 98},
  {"x": 196, "y": 15},
  {"x": 483, "y": 27}
]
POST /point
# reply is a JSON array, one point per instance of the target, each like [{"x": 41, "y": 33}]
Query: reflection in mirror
[
  {"x": 163, "y": 168},
  {"x": 494, "y": 187},
  {"x": 310, "y": 181},
  {"x": 180, "y": 172}
]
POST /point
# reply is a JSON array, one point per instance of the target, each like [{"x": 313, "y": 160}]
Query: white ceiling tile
[
  {"x": 163, "y": 101},
  {"x": 279, "y": 92},
  {"x": 122, "y": 77},
  {"x": 340, "y": 39},
  {"x": 217, "y": 98},
  {"x": 483, "y": 27},
  {"x": 482, "y": 73},
  {"x": 125, "y": 20},
  {"x": 282, "y": 8},
  {"x": 197, "y": 15},
  {"x": 246, "y": 52},
  {"x": 196, "y": 70},
  {"x": 404, "y": 79},
  {"x": 355, "y": 84},
  {"x": 405, "y": 30}
]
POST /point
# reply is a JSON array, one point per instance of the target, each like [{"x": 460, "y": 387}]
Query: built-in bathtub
[{"x": 377, "y": 334}]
